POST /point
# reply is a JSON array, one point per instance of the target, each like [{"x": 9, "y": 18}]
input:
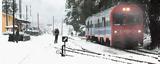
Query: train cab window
[
  {"x": 118, "y": 19},
  {"x": 126, "y": 19},
  {"x": 132, "y": 19}
]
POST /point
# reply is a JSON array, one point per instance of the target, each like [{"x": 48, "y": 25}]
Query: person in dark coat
[
  {"x": 71, "y": 33},
  {"x": 17, "y": 35},
  {"x": 56, "y": 32}
]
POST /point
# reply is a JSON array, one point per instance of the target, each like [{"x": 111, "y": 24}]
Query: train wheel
[
  {"x": 107, "y": 42},
  {"x": 87, "y": 38},
  {"x": 92, "y": 40},
  {"x": 96, "y": 39},
  {"x": 102, "y": 41}
]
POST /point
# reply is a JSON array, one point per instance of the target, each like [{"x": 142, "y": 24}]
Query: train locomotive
[{"x": 120, "y": 26}]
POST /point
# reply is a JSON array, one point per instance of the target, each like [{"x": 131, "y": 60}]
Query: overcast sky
[{"x": 46, "y": 9}]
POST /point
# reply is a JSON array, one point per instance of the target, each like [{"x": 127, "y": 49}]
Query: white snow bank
[{"x": 147, "y": 40}]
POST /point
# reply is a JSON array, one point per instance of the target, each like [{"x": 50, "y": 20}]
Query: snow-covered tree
[{"x": 8, "y": 5}]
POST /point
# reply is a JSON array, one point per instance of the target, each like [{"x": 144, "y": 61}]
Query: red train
[{"x": 120, "y": 26}]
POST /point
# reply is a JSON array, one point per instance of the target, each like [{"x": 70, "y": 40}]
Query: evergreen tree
[{"x": 154, "y": 17}]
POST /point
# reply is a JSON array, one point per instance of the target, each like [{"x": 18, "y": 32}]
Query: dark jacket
[{"x": 56, "y": 32}]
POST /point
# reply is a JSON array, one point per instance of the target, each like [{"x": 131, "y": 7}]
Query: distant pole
[
  {"x": 30, "y": 11},
  {"x": 53, "y": 23},
  {"x": 26, "y": 12},
  {"x": 30, "y": 18},
  {"x": 6, "y": 13},
  {"x": 13, "y": 19},
  {"x": 20, "y": 9},
  {"x": 38, "y": 20}
]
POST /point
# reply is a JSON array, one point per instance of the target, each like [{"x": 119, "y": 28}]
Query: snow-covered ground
[
  {"x": 111, "y": 51},
  {"x": 147, "y": 41},
  {"x": 42, "y": 50}
]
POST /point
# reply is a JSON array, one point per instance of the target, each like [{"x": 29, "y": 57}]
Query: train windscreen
[{"x": 125, "y": 19}]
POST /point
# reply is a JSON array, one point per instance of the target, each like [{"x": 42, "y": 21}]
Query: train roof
[{"x": 103, "y": 13}]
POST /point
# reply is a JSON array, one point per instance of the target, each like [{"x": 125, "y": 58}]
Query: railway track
[
  {"x": 104, "y": 56},
  {"x": 137, "y": 52},
  {"x": 155, "y": 56}
]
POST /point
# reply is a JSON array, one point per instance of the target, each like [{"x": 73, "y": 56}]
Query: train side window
[
  {"x": 104, "y": 21},
  {"x": 91, "y": 25},
  {"x": 98, "y": 24},
  {"x": 108, "y": 23},
  {"x": 88, "y": 24}
]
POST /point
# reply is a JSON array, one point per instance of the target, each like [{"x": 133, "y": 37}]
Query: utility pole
[
  {"x": 53, "y": 23},
  {"x": 6, "y": 4},
  {"x": 13, "y": 19},
  {"x": 26, "y": 12},
  {"x": 38, "y": 20},
  {"x": 30, "y": 11},
  {"x": 20, "y": 9}
]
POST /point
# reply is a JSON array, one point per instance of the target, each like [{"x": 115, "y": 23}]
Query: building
[{"x": 8, "y": 26}]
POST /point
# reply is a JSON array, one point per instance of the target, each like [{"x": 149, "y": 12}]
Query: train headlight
[
  {"x": 115, "y": 32},
  {"x": 124, "y": 9},
  {"x": 127, "y": 9},
  {"x": 139, "y": 31}
]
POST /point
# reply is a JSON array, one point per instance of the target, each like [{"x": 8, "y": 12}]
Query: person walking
[
  {"x": 17, "y": 35},
  {"x": 56, "y": 32}
]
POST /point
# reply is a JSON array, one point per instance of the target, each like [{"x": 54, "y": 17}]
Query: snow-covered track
[
  {"x": 103, "y": 56},
  {"x": 119, "y": 57},
  {"x": 142, "y": 53}
]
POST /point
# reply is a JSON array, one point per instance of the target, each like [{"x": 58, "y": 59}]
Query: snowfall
[{"x": 42, "y": 50}]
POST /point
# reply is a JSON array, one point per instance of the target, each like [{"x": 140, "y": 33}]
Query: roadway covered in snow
[{"x": 42, "y": 50}]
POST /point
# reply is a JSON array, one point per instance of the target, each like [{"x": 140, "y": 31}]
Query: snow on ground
[
  {"x": 40, "y": 50},
  {"x": 110, "y": 51},
  {"x": 147, "y": 40}
]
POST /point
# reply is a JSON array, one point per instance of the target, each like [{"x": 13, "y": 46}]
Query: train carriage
[{"x": 120, "y": 26}]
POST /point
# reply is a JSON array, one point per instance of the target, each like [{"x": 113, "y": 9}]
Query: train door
[
  {"x": 104, "y": 31},
  {"x": 88, "y": 28},
  {"x": 98, "y": 31},
  {"x": 91, "y": 28},
  {"x": 104, "y": 25},
  {"x": 98, "y": 27}
]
